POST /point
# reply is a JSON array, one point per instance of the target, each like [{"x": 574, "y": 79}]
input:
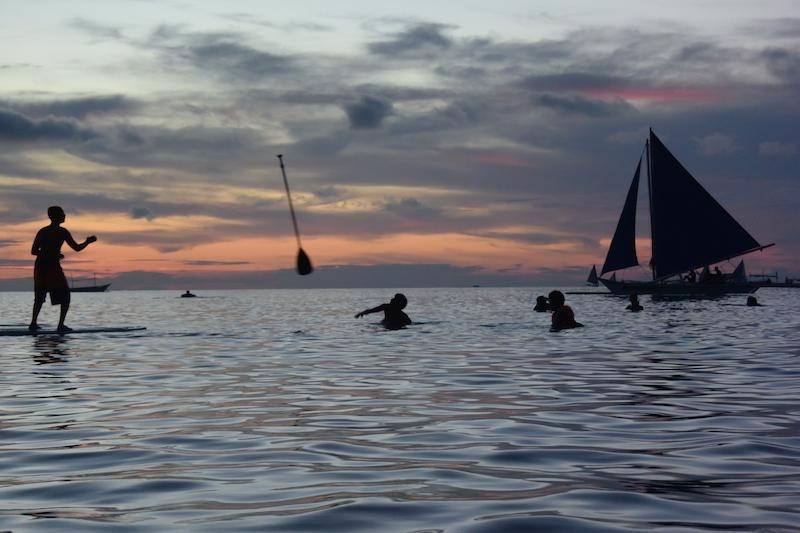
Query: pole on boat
[{"x": 303, "y": 262}]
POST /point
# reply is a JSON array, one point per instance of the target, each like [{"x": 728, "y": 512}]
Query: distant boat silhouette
[
  {"x": 91, "y": 288},
  {"x": 689, "y": 230},
  {"x": 592, "y": 279}
]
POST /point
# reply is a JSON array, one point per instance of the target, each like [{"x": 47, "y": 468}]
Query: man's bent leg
[{"x": 63, "y": 315}]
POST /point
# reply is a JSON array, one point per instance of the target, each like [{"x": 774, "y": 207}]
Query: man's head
[
  {"x": 399, "y": 300},
  {"x": 56, "y": 214},
  {"x": 556, "y": 299}
]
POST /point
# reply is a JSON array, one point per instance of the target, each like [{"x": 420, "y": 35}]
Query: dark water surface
[{"x": 256, "y": 410}]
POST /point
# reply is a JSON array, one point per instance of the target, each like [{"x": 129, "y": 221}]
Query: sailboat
[
  {"x": 90, "y": 288},
  {"x": 592, "y": 279},
  {"x": 689, "y": 230}
]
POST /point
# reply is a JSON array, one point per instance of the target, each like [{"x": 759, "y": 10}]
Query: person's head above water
[
  {"x": 399, "y": 300},
  {"x": 633, "y": 298},
  {"x": 556, "y": 299},
  {"x": 751, "y": 301},
  {"x": 56, "y": 214},
  {"x": 541, "y": 300}
]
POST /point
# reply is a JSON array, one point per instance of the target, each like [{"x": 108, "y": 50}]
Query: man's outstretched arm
[{"x": 74, "y": 245}]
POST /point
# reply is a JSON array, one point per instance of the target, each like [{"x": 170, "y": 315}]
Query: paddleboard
[{"x": 76, "y": 331}]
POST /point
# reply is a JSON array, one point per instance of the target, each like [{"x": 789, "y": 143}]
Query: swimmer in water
[
  {"x": 393, "y": 315},
  {"x": 635, "y": 306},
  {"x": 563, "y": 316},
  {"x": 542, "y": 305}
]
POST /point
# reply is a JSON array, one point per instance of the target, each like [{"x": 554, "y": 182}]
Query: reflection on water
[
  {"x": 276, "y": 410},
  {"x": 49, "y": 349}
]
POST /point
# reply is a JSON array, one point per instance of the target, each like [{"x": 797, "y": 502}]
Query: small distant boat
[
  {"x": 689, "y": 230},
  {"x": 90, "y": 288},
  {"x": 592, "y": 279}
]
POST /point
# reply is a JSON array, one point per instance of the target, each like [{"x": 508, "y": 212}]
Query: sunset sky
[{"x": 494, "y": 137}]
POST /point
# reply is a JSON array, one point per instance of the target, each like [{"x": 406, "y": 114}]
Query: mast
[{"x": 650, "y": 197}]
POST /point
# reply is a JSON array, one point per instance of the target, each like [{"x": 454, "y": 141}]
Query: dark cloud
[
  {"x": 237, "y": 60},
  {"x": 293, "y": 26},
  {"x": 97, "y": 31},
  {"x": 410, "y": 208},
  {"x": 576, "y": 104},
  {"x": 223, "y": 54},
  {"x": 414, "y": 40},
  {"x": 783, "y": 63},
  {"x": 368, "y": 112},
  {"x": 785, "y": 28},
  {"x": 78, "y": 108},
  {"x": 6, "y": 242},
  {"x": 20, "y": 128},
  {"x": 16, "y": 262},
  {"x": 573, "y": 81},
  {"x": 206, "y": 262},
  {"x": 141, "y": 212}
]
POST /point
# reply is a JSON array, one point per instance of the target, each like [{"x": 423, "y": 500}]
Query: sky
[{"x": 424, "y": 141}]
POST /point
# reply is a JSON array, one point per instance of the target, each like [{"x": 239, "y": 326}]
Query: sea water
[{"x": 277, "y": 410}]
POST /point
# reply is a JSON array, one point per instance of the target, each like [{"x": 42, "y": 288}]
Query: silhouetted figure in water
[
  {"x": 47, "y": 273},
  {"x": 542, "y": 305},
  {"x": 563, "y": 316},
  {"x": 393, "y": 315},
  {"x": 635, "y": 306},
  {"x": 752, "y": 302},
  {"x": 691, "y": 277},
  {"x": 188, "y": 294}
]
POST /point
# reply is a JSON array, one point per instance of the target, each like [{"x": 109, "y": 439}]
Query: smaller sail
[
  {"x": 614, "y": 276},
  {"x": 592, "y": 279},
  {"x": 740, "y": 275},
  {"x": 622, "y": 252}
]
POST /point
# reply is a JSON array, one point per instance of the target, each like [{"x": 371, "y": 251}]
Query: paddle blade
[{"x": 304, "y": 267}]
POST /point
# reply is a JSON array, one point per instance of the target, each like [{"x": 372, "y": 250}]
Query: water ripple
[{"x": 275, "y": 410}]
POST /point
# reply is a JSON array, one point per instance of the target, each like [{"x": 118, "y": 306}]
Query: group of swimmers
[{"x": 49, "y": 278}]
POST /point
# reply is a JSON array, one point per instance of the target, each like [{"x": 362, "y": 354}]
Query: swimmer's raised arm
[{"x": 370, "y": 311}]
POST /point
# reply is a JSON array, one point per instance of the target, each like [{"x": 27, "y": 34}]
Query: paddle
[{"x": 303, "y": 262}]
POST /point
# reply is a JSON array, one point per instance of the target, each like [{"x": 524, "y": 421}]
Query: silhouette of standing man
[{"x": 47, "y": 273}]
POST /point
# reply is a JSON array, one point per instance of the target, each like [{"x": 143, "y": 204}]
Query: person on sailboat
[
  {"x": 393, "y": 315},
  {"x": 563, "y": 316},
  {"x": 542, "y": 305},
  {"x": 48, "y": 277},
  {"x": 634, "y": 306}
]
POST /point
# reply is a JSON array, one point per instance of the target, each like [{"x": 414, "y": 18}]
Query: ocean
[{"x": 277, "y": 410}]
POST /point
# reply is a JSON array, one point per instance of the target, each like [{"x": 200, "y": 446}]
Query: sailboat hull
[
  {"x": 91, "y": 288},
  {"x": 678, "y": 288}
]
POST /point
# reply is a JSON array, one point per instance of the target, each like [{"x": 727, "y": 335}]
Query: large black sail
[
  {"x": 690, "y": 229},
  {"x": 622, "y": 252}
]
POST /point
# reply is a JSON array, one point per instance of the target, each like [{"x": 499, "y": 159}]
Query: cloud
[
  {"x": 414, "y": 39},
  {"x": 775, "y": 148},
  {"x": 206, "y": 262},
  {"x": 578, "y": 105},
  {"x": 783, "y": 63},
  {"x": 409, "y": 207},
  {"x": 141, "y": 212},
  {"x": 716, "y": 144},
  {"x": 99, "y": 32},
  {"x": 368, "y": 112},
  {"x": 78, "y": 108},
  {"x": 20, "y": 128},
  {"x": 224, "y": 54}
]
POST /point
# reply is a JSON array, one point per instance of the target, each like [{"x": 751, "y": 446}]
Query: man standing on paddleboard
[{"x": 48, "y": 277}]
